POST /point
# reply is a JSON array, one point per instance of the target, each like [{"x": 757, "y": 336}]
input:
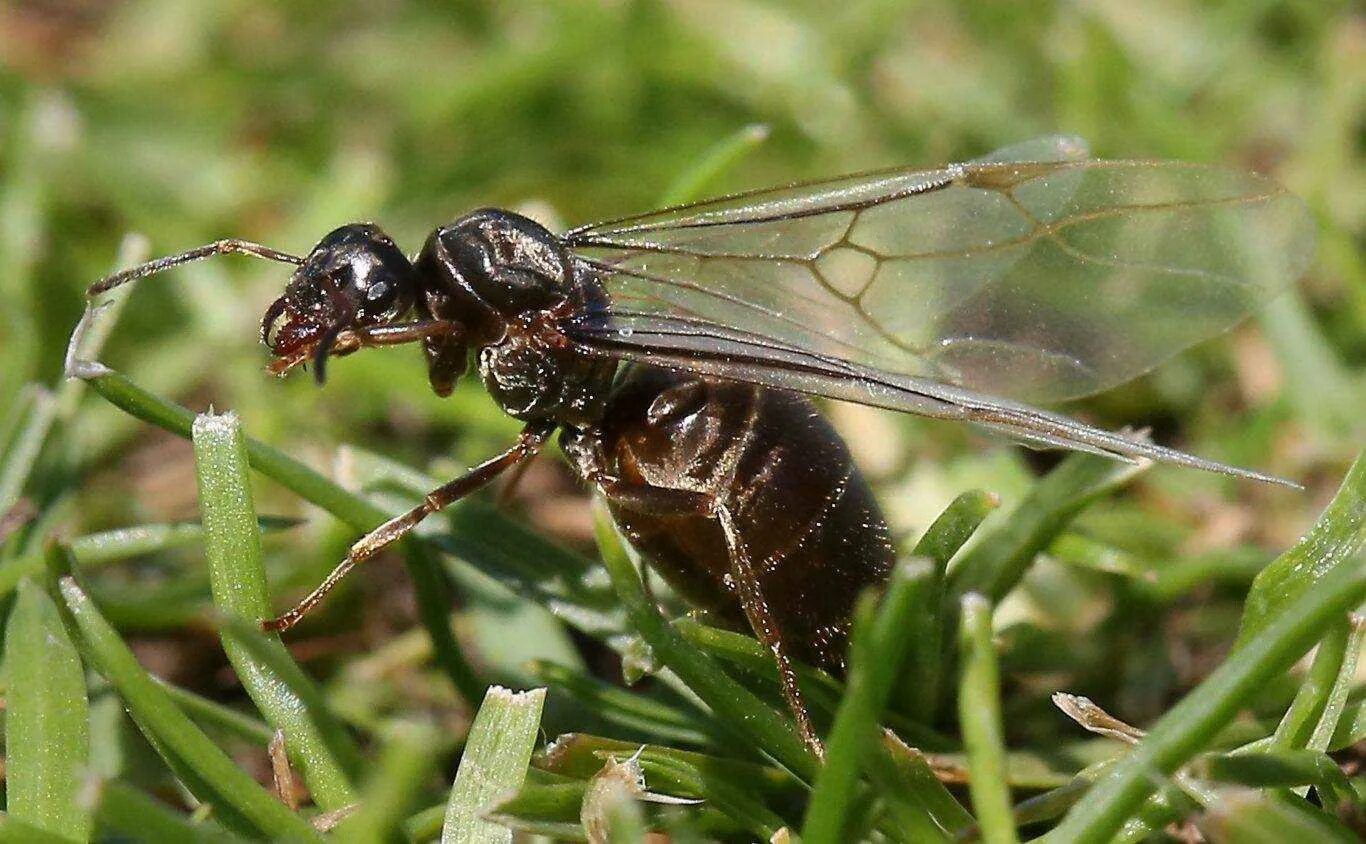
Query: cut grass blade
[
  {"x": 732, "y": 703},
  {"x": 494, "y": 763},
  {"x": 979, "y": 713},
  {"x": 47, "y": 738},
  {"x": 880, "y": 644},
  {"x": 239, "y": 802},
  {"x": 320, "y": 751},
  {"x": 1282, "y": 639}
]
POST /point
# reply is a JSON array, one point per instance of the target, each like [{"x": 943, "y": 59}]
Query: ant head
[{"x": 354, "y": 278}]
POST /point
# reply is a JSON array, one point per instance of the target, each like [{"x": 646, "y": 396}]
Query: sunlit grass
[{"x": 133, "y": 565}]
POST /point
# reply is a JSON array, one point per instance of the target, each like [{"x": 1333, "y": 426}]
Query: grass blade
[
  {"x": 239, "y": 802},
  {"x": 623, "y": 708},
  {"x": 919, "y": 689},
  {"x": 225, "y": 719},
  {"x": 998, "y": 561},
  {"x": 1281, "y": 768},
  {"x": 1301, "y": 720},
  {"x": 432, "y": 589},
  {"x": 1261, "y": 817},
  {"x": 121, "y": 809},
  {"x": 495, "y": 761},
  {"x": 906, "y": 769},
  {"x": 1336, "y": 703},
  {"x": 979, "y": 712},
  {"x": 731, "y": 702},
  {"x": 409, "y": 755},
  {"x": 1337, "y": 538},
  {"x": 740, "y": 790},
  {"x": 308, "y": 484},
  {"x": 118, "y": 390},
  {"x": 426, "y": 824},
  {"x": 112, "y": 546},
  {"x": 25, "y": 444},
  {"x": 47, "y": 736},
  {"x": 823, "y": 691},
  {"x": 1323, "y": 391},
  {"x": 232, "y": 545},
  {"x": 1286, "y": 635},
  {"x": 693, "y": 182},
  {"x": 545, "y": 806},
  {"x": 878, "y": 651},
  {"x": 21, "y": 832}
]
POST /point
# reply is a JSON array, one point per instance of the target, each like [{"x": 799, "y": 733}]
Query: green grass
[{"x": 174, "y": 493}]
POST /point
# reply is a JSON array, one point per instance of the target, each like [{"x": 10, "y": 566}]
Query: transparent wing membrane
[
  {"x": 1039, "y": 281},
  {"x": 962, "y": 291}
]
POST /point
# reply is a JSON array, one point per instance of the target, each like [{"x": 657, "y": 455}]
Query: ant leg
[
  {"x": 664, "y": 501},
  {"x": 406, "y": 332},
  {"x": 509, "y": 488},
  {"x": 766, "y": 627},
  {"x": 353, "y": 339},
  {"x": 533, "y": 436}
]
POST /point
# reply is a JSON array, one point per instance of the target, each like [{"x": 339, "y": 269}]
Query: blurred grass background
[{"x": 276, "y": 122}]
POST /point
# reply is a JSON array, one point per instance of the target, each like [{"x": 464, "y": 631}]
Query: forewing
[{"x": 1038, "y": 281}]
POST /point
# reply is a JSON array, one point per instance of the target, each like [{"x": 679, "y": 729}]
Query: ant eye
[{"x": 377, "y": 292}]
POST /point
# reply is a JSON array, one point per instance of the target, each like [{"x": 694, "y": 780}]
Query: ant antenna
[{"x": 209, "y": 250}]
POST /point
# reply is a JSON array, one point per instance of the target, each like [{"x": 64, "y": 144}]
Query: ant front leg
[
  {"x": 584, "y": 449},
  {"x": 407, "y": 332},
  {"x": 430, "y": 331},
  {"x": 528, "y": 444}
]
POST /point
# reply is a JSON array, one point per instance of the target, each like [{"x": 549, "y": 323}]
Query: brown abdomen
[{"x": 813, "y": 531}]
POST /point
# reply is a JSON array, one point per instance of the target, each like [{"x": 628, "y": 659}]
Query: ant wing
[{"x": 1031, "y": 281}]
